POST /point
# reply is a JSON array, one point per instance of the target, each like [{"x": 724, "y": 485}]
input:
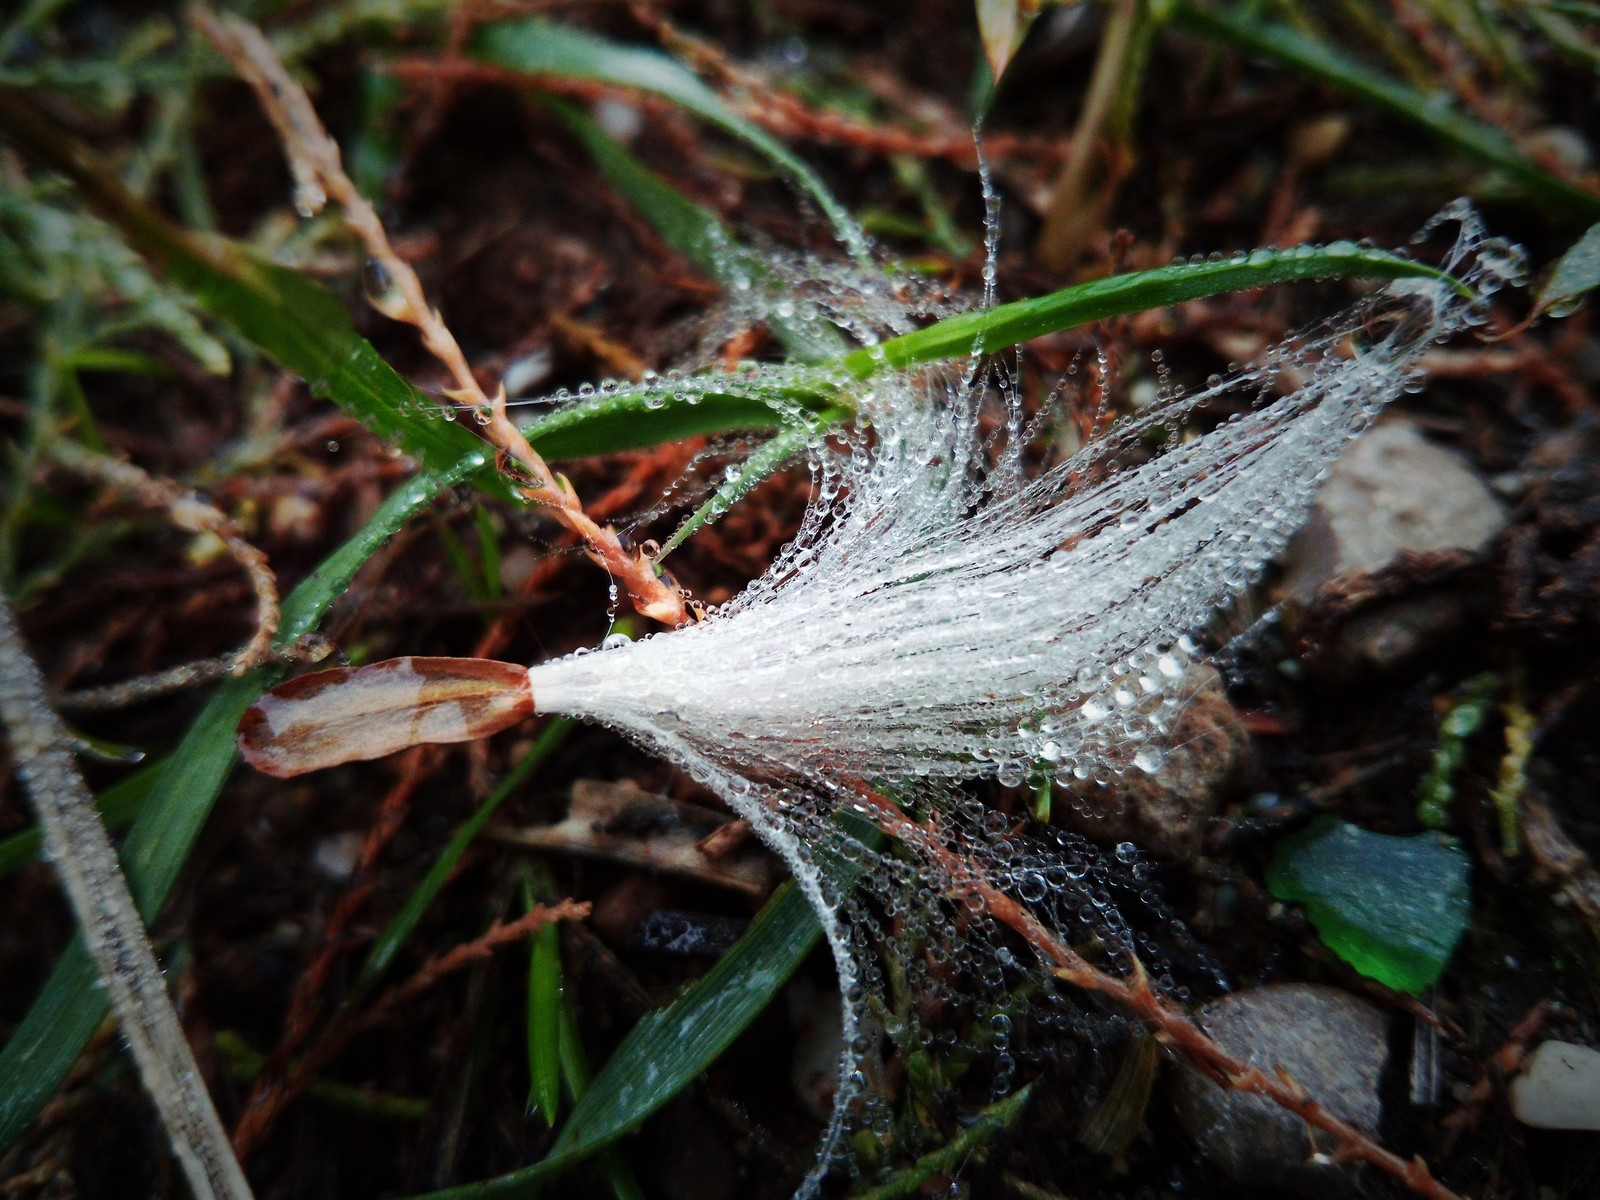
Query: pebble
[
  {"x": 1377, "y": 569},
  {"x": 1332, "y": 1043},
  {"x": 1559, "y": 1088},
  {"x": 1391, "y": 493}
]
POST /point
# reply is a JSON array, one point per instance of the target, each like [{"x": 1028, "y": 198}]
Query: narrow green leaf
[
  {"x": 299, "y": 323},
  {"x": 540, "y": 47},
  {"x": 668, "y": 1048},
  {"x": 772, "y": 456},
  {"x": 575, "y": 1074},
  {"x": 1391, "y": 907},
  {"x": 488, "y": 553},
  {"x": 1575, "y": 276},
  {"x": 544, "y": 1020},
  {"x": 993, "y": 329},
  {"x": 1450, "y": 125},
  {"x": 946, "y": 1160},
  {"x": 700, "y": 236},
  {"x": 636, "y": 419}
]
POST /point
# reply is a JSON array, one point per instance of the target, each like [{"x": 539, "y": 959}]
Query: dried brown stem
[
  {"x": 273, "y": 1099},
  {"x": 188, "y": 511},
  {"x": 319, "y": 176},
  {"x": 481, "y": 947},
  {"x": 1169, "y": 1023}
]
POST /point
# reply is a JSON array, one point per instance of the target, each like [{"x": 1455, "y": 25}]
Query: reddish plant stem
[
  {"x": 1171, "y": 1026},
  {"x": 319, "y": 175}
]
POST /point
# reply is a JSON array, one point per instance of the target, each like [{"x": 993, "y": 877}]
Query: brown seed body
[{"x": 354, "y": 713}]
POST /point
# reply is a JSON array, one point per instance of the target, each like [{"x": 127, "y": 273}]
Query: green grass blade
[
  {"x": 772, "y": 456},
  {"x": 54, "y": 1032},
  {"x": 539, "y": 47},
  {"x": 699, "y": 235},
  {"x": 640, "y": 418},
  {"x": 296, "y": 321},
  {"x": 576, "y": 1075},
  {"x": 1450, "y": 125},
  {"x": 947, "y": 1160},
  {"x": 544, "y": 1020},
  {"x": 993, "y": 329},
  {"x": 668, "y": 1048}
]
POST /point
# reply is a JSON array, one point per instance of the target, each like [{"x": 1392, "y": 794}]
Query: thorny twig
[
  {"x": 190, "y": 512},
  {"x": 93, "y": 880},
  {"x": 497, "y": 935},
  {"x": 319, "y": 176},
  {"x": 1170, "y": 1024}
]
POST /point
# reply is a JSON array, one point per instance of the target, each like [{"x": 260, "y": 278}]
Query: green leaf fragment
[
  {"x": 1575, "y": 275},
  {"x": 1391, "y": 907}
]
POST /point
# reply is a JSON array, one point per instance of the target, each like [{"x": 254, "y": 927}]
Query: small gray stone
[
  {"x": 1559, "y": 1088},
  {"x": 1393, "y": 492},
  {"x": 1333, "y": 1044}
]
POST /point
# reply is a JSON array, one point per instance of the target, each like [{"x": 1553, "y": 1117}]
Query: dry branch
[{"x": 92, "y": 878}]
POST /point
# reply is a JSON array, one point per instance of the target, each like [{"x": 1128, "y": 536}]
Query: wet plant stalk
[
  {"x": 77, "y": 843},
  {"x": 319, "y": 176}
]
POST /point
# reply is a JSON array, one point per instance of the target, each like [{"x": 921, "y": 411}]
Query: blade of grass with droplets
[
  {"x": 1455, "y": 128},
  {"x": 948, "y": 1159},
  {"x": 296, "y": 321},
  {"x": 668, "y": 1048},
  {"x": 639, "y": 418},
  {"x": 696, "y": 232},
  {"x": 539, "y": 47},
  {"x": 986, "y": 330},
  {"x": 771, "y": 457}
]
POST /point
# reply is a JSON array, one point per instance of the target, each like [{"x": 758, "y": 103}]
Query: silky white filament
[{"x": 943, "y": 618}]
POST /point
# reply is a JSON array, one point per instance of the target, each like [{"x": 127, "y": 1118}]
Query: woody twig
[
  {"x": 319, "y": 176},
  {"x": 1133, "y": 993},
  {"x": 191, "y": 512}
]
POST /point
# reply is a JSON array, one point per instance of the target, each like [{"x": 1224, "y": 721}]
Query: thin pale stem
[
  {"x": 188, "y": 510},
  {"x": 319, "y": 176},
  {"x": 86, "y": 862}
]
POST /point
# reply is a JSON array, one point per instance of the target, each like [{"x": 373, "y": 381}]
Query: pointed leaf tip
[{"x": 354, "y": 713}]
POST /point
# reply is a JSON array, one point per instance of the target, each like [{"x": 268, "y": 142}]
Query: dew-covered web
[{"x": 942, "y": 619}]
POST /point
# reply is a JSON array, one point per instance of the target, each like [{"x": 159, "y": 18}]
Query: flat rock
[
  {"x": 1391, "y": 493},
  {"x": 1332, "y": 1043}
]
